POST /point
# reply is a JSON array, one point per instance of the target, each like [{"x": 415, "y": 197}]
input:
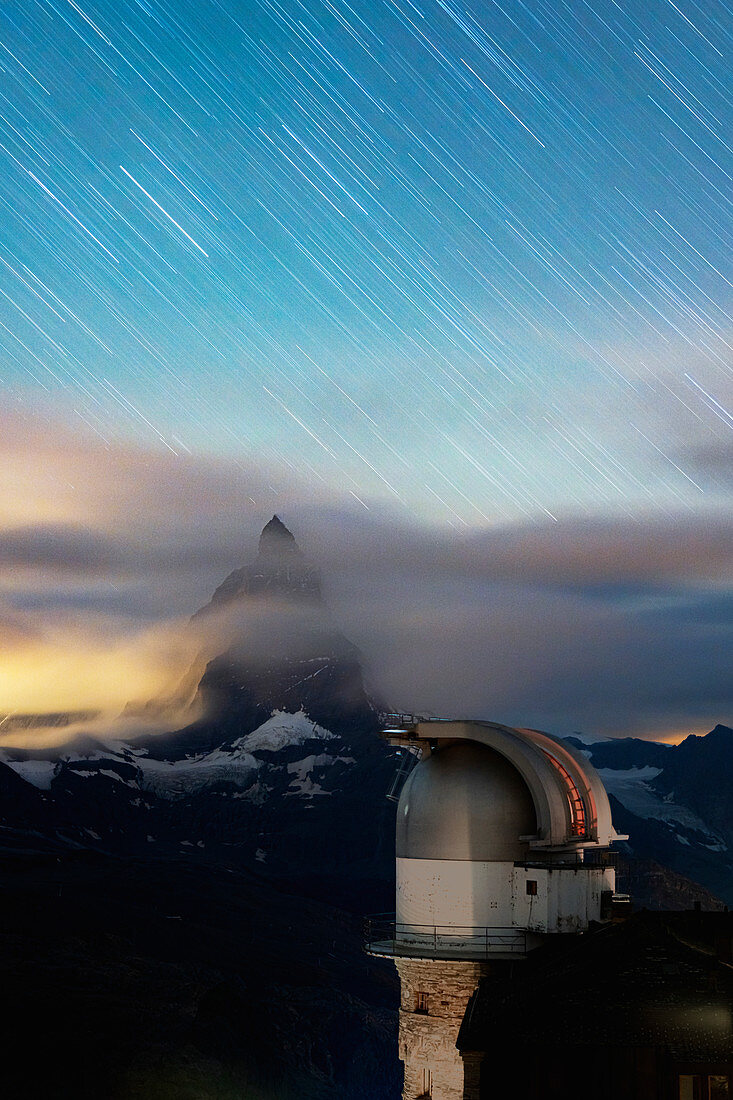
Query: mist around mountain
[
  {"x": 188, "y": 901},
  {"x": 279, "y": 767},
  {"x": 209, "y": 870}
]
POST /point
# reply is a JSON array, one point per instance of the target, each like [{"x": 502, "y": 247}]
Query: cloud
[
  {"x": 711, "y": 462},
  {"x": 588, "y": 554},
  {"x": 614, "y": 624},
  {"x": 547, "y": 659},
  {"x": 78, "y": 665},
  {"x": 55, "y": 547}
]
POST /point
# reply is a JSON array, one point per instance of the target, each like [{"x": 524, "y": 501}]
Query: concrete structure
[
  {"x": 637, "y": 1009},
  {"x": 502, "y": 840}
]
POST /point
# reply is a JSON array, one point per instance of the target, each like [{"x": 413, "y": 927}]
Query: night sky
[{"x": 457, "y": 268}]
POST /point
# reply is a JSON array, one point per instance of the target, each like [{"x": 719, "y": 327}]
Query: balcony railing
[
  {"x": 589, "y": 857},
  {"x": 383, "y": 936}
]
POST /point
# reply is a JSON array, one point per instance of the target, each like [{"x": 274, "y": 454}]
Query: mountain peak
[
  {"x": 280, "y": 570},
  {"x": 276, "y": 538},
  {"x": 719, "y": 737}
]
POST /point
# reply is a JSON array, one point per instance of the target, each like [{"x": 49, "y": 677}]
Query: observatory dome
[{"x": 465, "y": 802}]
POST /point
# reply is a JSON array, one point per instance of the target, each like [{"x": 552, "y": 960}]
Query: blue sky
[
  {"x": 470, "y": 259},
  {"x": 446, "y": 285}
]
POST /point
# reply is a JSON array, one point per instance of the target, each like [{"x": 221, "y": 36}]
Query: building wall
[
  {"x": 567, "y": 899},
  {"x": 434, "y": 995},
  {"x": 459, "y": 892},
  {"x": 476, "y": 894}
]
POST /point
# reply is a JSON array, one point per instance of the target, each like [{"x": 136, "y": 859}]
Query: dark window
[
  {"x": 690, "y": 1086},
  {"x": 422, "y": 1003},
  {"x": 702, "y": 1086},
  {"x": 532, "y": 886}
]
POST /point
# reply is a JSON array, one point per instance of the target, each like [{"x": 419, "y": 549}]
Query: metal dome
[
  {"x": 570, "y": 801},
  {"x": 465, "y": 802}
]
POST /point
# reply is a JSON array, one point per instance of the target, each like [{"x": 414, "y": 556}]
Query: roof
[
  {"x": 464, "y": 802},
  {"x": 570, "y": 801}
]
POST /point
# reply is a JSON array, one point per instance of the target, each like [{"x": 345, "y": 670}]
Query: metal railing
[
  {"x": 588, "y": 857},
  {"x": 384, "y": 936}
]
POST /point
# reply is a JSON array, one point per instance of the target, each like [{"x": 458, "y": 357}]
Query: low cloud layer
[{"x": 607, "y": 624}]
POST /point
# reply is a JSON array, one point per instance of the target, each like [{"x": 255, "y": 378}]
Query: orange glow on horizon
[{"x": 674, "y": 737}]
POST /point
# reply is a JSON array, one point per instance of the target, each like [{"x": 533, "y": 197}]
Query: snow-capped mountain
[
  {"x": 675, "y": 802},
  {"x": 279, "y": 570},
  {"x": 302, "y": 803},
  {"x": 283, "y": 771}
]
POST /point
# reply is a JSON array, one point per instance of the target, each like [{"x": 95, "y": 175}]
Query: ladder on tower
[{"x": 407, "y": 759}]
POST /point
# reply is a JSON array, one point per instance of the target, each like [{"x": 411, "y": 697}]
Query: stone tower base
[{"x": 434, "y": 995}]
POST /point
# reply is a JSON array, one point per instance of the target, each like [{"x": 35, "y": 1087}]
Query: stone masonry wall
[{"x": 434, "y": 995}]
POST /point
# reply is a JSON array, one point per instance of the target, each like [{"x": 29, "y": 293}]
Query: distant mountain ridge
[
  {"x": 674, "y": 801},
  {"x": 284, "y": 772}
]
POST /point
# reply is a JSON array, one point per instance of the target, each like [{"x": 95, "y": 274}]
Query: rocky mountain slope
[
  {"x": 171, "y": 979},
  {"x": 284, "y": 771},
  {"x": 675, "y": 802}
]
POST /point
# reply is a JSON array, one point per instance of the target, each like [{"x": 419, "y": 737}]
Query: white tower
[{"x": 502, "y": 840}]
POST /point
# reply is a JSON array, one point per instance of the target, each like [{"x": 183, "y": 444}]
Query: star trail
[{"x": 470, "y": 259}]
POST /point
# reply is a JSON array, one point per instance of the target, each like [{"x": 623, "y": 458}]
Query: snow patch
[
  {"x": 39, "y": 773},
  {"x": 302, "y": 783},
  {"x": 257, "y": 794},
  {"x": 115, "y": 775},
  {"x": 281, "y": 730},
  {"x": 632, "y": 788},
  {"x": 174, "y": 780}
]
